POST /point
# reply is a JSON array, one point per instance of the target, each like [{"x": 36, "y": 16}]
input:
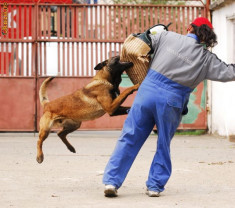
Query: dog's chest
[{"x": 92, "y": 109}]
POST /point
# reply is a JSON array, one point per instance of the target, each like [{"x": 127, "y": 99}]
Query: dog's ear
[{"x": 100, "y": 65}]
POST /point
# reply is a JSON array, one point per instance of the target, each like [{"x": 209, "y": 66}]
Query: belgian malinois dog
[{"x": 100, "y": 96}]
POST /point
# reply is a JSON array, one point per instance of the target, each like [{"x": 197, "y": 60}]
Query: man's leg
[
  {"x": 137, "y": 127},
  {"x": 160, "y": 170}
]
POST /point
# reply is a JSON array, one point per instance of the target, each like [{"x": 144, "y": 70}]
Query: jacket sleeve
[{"x": 217, "y": 70}]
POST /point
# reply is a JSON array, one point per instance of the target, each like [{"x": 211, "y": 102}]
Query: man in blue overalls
[{"x": 178, "y": 65}]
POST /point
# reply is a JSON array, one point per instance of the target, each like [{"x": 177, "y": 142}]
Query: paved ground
[{"x": 203, "y": 173}]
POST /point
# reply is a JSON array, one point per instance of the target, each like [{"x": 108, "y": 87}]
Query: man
[{"x": 178, "y": 65}]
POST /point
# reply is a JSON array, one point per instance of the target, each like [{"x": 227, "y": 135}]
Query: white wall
[{"x": 222, "y": 95}]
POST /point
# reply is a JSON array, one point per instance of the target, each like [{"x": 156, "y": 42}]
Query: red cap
[{"x": 202, "y": 21}]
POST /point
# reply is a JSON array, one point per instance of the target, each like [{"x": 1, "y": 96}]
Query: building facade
[{"x": 221, "y": 95}]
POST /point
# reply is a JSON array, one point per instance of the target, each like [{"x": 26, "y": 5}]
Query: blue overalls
[{"x": 159, "y": 101}]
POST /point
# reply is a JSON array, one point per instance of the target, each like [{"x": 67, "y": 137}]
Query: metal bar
[
  {"x": 63, "y": 58},
  {"x": 105, "y": 51},
  {"x": 45, "y": 58},
  {"x": 17, "y": 23},
  {"x": 7, "y": 59},
  {"x": 16, "y": 53},
  {"x": 119, "y": 23},
  {"x": 151, "y": 16},
  {"x": 2, "y": 58},
  {"x": 34, "y": 61},
  {"x": 32, "y": 23},
  {"x": 169, "y": 15},
  {"x": 177, "y": 23},
  {"x": 87, "y": 23},
  {"x": 96, "y": 23},
  {"x": 68, "y": 22},
  {"x": 105, "y": 23},
  {"x": 17, "y": 41},
  {"x": 73, "y": 26},
  {"x": 197, "y": 12},
  {"x": 68, "y": 58},
  {"x": 97, "y": 5},
  {"x": 58, "y": 36},
  {"x": 128, "y": 21},
  {"x": 27, "y": 59},
  {"x": 58, "y": 50},
  {"x": 44, "y": 23},
  {"x": 35, "y": 58},
  {"x": 40, "y": 23},
  {"x": 162, "y": 15},
  {"x": 76, "y": 17},
  {"x": 87, "y": 59},
  {"x": 91, "y": 23},
  {"x": 142, "y": 20},
  {"x": 58, "y": 22},
  {"x": 146, "y": 18},
  {"x": 12, "y": 58},
  {"x": 132, "y": 19},
  {"x": 74, "y": 40},
  {"x": 22, "y": 18},
  {"x": 73, "y": 59},
  {"x": 100, "y": 23},
  {"x": 49, "y": 23},
  {"x": 82, "y": 23},
  {"x": 124, "y": 22},
  {"x": 40, "y": 55},
  {"x": 115, "y": 35},
  {"x": 183, "y": 25},
  {"x": 174, "y": 19},
  {"x": 138, "y": 19},
  {"x": 92, "y": 61},
  {"x": 22, "y": 58},
  {"x": 165, "y": 12},
  {"x": 110, "y": 31},
  {"x": 78, "y": 59},
  {"x": 17, "y": 59},
  {"x": 188, "y": 18},
  {"x": 82, "y": 59},
  {"x": 63, "y": 22},
  {"x": 63, "y": 37},
  {"x": 96, "y": 53}
]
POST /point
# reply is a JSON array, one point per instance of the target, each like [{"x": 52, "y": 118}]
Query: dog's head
[{"x": 115, "y": 68}]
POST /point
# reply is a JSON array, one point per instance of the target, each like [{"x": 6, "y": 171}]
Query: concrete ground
[{"x": 203, "y": 173}]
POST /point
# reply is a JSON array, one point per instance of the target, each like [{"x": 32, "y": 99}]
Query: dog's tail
[{"x": 43, "y": 91}]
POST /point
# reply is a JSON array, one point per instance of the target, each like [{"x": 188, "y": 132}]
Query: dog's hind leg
[
  {"x": 68, "y": 127},
  {"x": 45, "y": 126}
]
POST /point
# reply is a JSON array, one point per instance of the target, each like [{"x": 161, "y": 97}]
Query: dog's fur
[{"x": 100, "y": 96}]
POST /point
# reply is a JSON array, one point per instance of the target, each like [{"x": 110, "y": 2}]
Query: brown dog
[{"x": 91, "y": 102}]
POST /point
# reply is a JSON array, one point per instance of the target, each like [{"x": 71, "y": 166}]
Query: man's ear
[{"x": 100, "y": 65}]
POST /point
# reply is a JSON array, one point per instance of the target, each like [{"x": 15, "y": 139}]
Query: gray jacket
[{"x": 183, "y": 60}]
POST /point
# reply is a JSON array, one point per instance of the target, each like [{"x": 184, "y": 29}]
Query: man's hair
[{"x": 205, "y": 34}]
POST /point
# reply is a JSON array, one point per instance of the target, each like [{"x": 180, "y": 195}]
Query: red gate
[{"x": 67, "y": 41}]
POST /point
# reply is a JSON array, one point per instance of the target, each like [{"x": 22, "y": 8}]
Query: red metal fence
[{"x": 68, "y": 41}]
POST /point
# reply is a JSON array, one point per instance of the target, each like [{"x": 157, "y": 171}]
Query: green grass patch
[
  {"x": 187, "y": 132},
  {"x": 190, "y": 132}
]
